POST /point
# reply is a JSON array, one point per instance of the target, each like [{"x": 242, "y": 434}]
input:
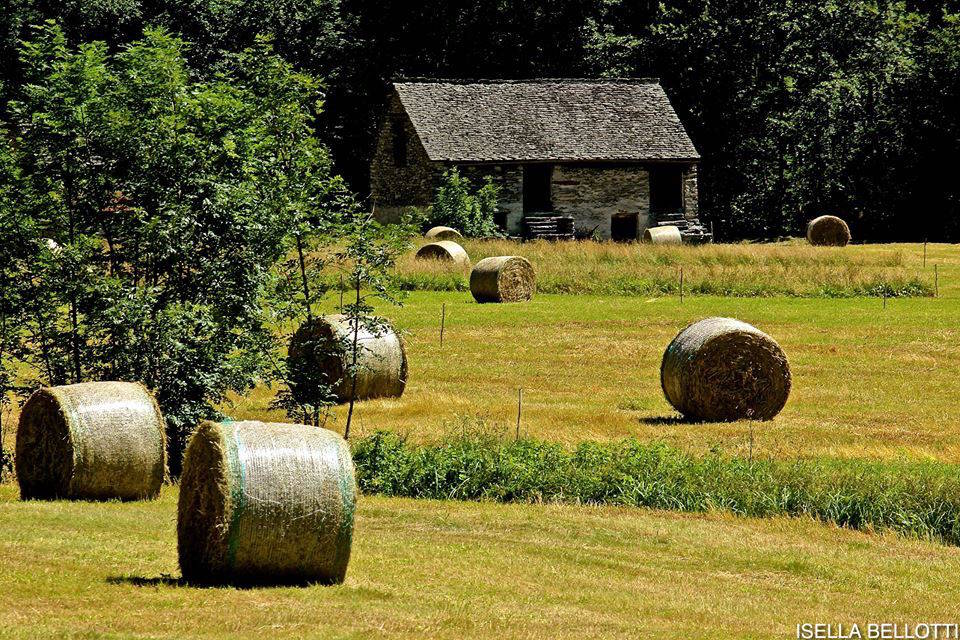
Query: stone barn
[{"x": 610, "y": 155}]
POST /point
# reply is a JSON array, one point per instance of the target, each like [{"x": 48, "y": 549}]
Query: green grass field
[
  {"x": 453, "y": 570},
  {"x": 873, "y": 379}
]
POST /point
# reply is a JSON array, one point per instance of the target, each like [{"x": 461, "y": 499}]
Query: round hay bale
[
  {"x": 503, "y": 279},
  {"x": 662, "y": 235},
  {"x": 265, "y": 503},
  {"x": 321, "y": 353},
  {"x": 443, "y": 233},
  {"x": 828, "y": 231},
  {"x": 721, "y": 369},
  {"x": 445, "y": 250},
  {"x": 92, "y": 441}
]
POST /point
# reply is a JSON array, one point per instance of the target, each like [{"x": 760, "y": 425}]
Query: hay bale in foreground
[
  {"x": 828, "y": 231},
  {"x": 94, "y": 441},
  {"x": 721, "y": 369},
  {"x": 321, "y": 352},
  {"x": 667, "y": 234},
  {"x": 503, "y": 279},
  {"x": 265, "y": 503},
  {"x": 445, "y": 250},
  {"x": 443, "y": 233}
]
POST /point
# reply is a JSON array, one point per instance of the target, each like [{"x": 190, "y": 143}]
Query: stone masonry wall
[
  {"x": 691, "y": 204},
  {"x": 394, "y": 188},
  {"x": 593, "y": 194}
]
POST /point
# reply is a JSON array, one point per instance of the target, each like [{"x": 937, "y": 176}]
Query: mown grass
[
  {"x": 869, "y": 381},
  {"x": 792, "y": 269},
  {"x": 914, "y": 499},
  {"x": 447, "y": 569}
]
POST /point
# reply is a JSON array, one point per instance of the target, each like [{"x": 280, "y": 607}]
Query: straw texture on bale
[
  {"x": 321, "y": 353},
  {"x": 443, "y": 233},
  {"x": 503, "y": 279},
  {"x": 445, "y": 250},
  {"x": 265, "y": 503},
  {"x": 663, "y": 235},
  {"x": 91, "y": 441},
  {"x": 828, "y": 231},
  {"x": 721, "y": 369}
]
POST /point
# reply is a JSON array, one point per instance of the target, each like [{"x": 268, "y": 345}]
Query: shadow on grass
[
  {"x": 162, "y": 580},
  {"x": 667, "y": 421},
  {"x": 166, "y": 580}
]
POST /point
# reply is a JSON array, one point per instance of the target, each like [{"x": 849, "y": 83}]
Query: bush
[
  {"x": 469, "y": 212},
  {"x": 917, "y": 499}
]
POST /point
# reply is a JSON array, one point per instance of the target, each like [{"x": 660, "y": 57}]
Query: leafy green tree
[
  {"x": 167, "y": 201},
  {"x": 456, "y": 204},
  {"x": 369, "y": 254}
]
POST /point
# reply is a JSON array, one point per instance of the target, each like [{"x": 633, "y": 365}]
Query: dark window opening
[
  {"x": 500, "y": 219},
  {"x": 536, "y": 188},
  {"x": 399, "y": 143},
  {"x": 666, "y": 189},
  {"x": 624, "y": 227}
]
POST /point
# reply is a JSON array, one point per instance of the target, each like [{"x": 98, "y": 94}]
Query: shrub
[
  {"x": 918, "y": 499},
  {"x": 470, "y": 212}
]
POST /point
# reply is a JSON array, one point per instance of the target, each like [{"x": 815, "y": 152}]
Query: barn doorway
[
  {"x": 624, "y": 227},
  {"x": 537, "y": 179},
  {"x": 666, "y": 189}
]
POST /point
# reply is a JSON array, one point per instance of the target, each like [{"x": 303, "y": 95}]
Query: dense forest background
[{"x": 847, "y": 106}]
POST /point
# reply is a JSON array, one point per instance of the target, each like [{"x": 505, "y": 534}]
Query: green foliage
[
  {"x": 917, "y": 499},
  {"x": 798, "y": 109},
  {"x": 471, "y": 212},
  {"x": 370, "y": 253},
  {"x": 154, "y": 206}
]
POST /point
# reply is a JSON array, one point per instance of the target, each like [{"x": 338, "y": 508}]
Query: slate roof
[{"x": 546, "y": 120}]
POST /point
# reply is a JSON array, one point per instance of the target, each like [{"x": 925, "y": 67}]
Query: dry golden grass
[
  {"x": 457, "y": 570},
  {"x": 781, "y": 269}
]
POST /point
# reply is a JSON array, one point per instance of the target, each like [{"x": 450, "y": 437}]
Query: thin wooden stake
[
  {"x": 681, "y": 285},
  {"x": 936, "y": 282},
  {"x": 884, "y": 299},
  {"x": 443, "y": 321},
  {"x": 924, "y": 254},
  {"x": 519, "y": 409},
  {"x": 751, "y": 442},
  {"x": 341, "y": 292}
]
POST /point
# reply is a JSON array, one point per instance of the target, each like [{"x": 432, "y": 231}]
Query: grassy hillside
[{"x": 448, "y": 570}]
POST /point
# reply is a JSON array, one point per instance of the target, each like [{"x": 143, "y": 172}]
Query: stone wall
[
  {"x": 593, "y": 194},
  {"x": 691, "y": 203},
  {"x": 394, "y": 188}
]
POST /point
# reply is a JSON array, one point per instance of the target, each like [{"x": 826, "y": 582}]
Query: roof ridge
[{"x": 624, "y": 80}]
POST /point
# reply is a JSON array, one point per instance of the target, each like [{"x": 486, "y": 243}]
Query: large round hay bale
[
  {"x": 663, "y": 235},
  {"x": 321, "y": 354},
  {"x": 446, "y": 251},
  {"x": 828, "y": 231},
  {"x": 503, "y": 279},
  {"x": 443, "y": 233},
  {"x": 94, "y": 441},
  {"x": 721, "y": 369},
  {"x": 265, "y": 502}
]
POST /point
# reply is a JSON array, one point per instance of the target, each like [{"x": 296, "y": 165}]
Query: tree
[{"x": 169, "y": 200}]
